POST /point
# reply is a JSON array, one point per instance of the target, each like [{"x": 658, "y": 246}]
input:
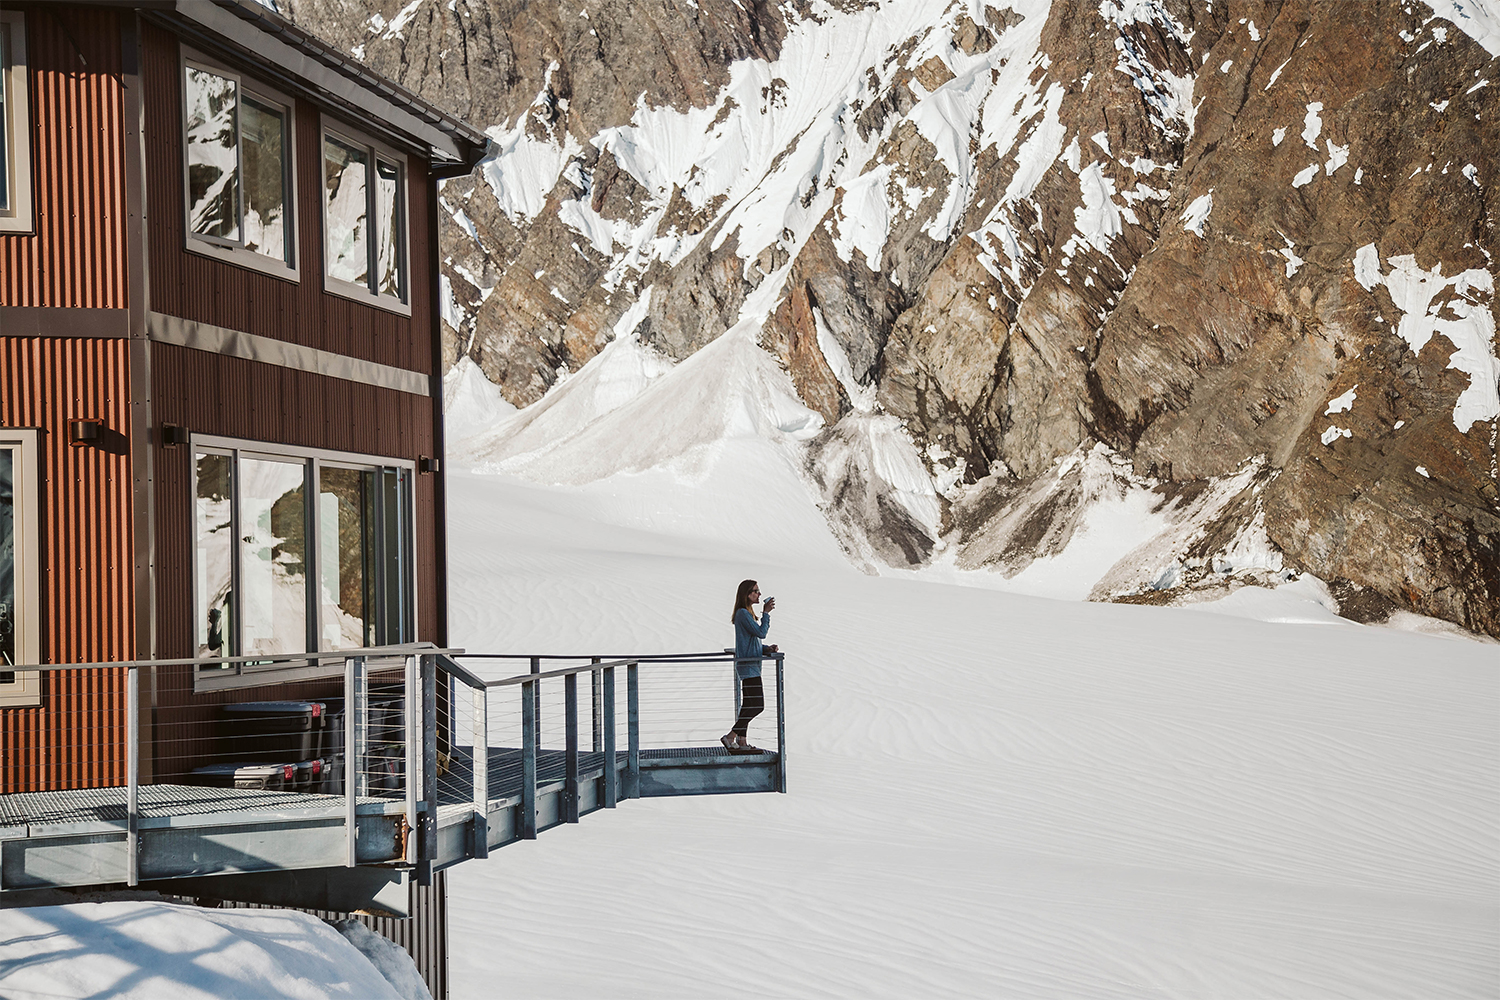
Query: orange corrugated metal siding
[
  {"x": 75, "y": 257},
  {"x": 76, "y": 737}
]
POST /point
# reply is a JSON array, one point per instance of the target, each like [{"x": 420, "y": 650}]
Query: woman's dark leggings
[{"x": 752, "y": 703}]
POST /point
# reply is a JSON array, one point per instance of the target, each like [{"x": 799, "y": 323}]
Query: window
[
  {"x": 277, "y": 573},
  {"x": 20, "y": 620},
  {"x": 364, "y": 220},
  {"x": 15, "y": 132},
  {"x": 237, "y": 158}
]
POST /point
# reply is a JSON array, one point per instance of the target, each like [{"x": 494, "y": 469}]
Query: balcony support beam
[
  {"x": 607, "y": 707},
  {"x": 570, "y": 799}
]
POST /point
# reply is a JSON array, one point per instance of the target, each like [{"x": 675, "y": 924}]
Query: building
[{"x": 220, "y": 443}]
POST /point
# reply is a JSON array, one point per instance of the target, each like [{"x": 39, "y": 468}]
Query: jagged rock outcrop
[{"x": 1205, "y": 236}]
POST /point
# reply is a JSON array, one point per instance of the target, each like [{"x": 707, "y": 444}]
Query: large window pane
[
  {"x": 388, "y": 228},
  {"x": 345, "y": 178},
  {"x": 346, "y": 522},
  {"x": 213, "y": 154},
  {"x": 273, "y": 557},
  {"x": 8, "y": 614},
  {"x": 396, "y": 612},
  {"x": 214, "y": 497},
  {"x": 266, "y": 229}
]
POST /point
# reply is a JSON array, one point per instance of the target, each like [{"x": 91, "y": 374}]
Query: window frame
[
  {"x": 224, "y": 250},
  {"x": 312, "y": 460},
  {"x": 378, "y": 150},
  {"x": 17, "y": 102},
  {"x": 25, "y": 691}
]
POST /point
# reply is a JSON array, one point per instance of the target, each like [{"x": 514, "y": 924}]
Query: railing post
[
  {"x": 411, "y": 697},
  {"x": 536, "y": 694},
  {"x": 529, "y": 700},
  {"x": 427, "y": 844},
  {"x": 481, "y": 845},
  {"x": 633, "y": 730},
  {"x": 780, "y": 723},
  {"x": 354, "y": 670},
  {"x": 598, "y": 707},
  {"x": 357, "y": 719},
  {"x": 132, "y": 776},
  {"x": 607, "y": 704},
  {"x": 570, "y": 789}
]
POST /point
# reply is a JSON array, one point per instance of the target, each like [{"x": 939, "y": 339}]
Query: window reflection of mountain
[
  {"x": 215, "y": 641},
  {"x": 289, "y": 533}
]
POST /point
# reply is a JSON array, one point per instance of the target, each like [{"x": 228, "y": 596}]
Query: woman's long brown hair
[{"x": 742, "y": 598}]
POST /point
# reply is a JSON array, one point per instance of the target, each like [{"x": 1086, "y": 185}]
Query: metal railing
[
  {"x": 513, "y": 712},
  {"x": 402, "y": 713}
]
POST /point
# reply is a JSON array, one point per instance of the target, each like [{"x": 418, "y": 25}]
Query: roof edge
[{"x": 456, "y": 146}]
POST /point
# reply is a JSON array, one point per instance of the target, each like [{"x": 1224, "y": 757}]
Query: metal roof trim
[{"x": 295, "y": 51}]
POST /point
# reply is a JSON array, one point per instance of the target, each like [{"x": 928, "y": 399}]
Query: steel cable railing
[
  {"x": 402, "y": 731},
  {"x": 674, "y": 704}
]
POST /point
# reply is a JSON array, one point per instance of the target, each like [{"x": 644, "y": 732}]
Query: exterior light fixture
[
  {"x": 85, "y": 432},
  {"x": 173, "y": 434},
  {"x": 426, "y": 465}
]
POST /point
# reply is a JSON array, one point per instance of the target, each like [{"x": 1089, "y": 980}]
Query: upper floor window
[
  {"x": 20, "y": 596},
  {"x": 237, "y": 143},
  {"x": 364, "y": 219},
  {"x": 15, "y": 144}
]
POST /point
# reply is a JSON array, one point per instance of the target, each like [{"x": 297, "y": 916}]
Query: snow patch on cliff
[
  {"x": 522, "y": 169},
  {"x": 1455, "y": 307},
  {"x": 1479, "y": 19},
  {"x": 1196, "y": 214}
]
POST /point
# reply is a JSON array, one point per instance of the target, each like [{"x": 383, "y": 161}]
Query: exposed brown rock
[{"x": 1188, "y": 354}]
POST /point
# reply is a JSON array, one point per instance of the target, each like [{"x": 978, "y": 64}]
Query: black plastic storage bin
[
  {"x": 385, "y": 747},
  {"x": 333, "y": 748},
  {"x": 255, "y": 777},
  {"x": 308, "y": 775},
  {"x": 274, "y": 731}
]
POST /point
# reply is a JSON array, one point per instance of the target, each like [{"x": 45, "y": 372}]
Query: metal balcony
[{"x": 406, "y": 792}]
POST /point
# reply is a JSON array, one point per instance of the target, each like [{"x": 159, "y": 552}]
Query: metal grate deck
[
  {"x": 552, "y": 766},
  {"x": 107, "y": 805}
]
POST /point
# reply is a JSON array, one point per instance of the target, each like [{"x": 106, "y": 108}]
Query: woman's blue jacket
[{"x": 747, "y": 637}]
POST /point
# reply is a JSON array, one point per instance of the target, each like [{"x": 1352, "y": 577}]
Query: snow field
[{"x": 990, "y": 794}]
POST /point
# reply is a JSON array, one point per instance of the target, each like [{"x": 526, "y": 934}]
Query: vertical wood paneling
[
  {"x": 231, "y": 397},
  {"x": 75, "y": 256},
  {"x": 211, "y": 291},
  {"x": 75, "y": 738}
]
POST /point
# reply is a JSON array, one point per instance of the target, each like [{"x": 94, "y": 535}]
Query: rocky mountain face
[{"x": 1233, "y": 258}]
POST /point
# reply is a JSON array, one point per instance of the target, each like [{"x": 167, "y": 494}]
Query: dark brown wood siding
[
  {"x": 255, "y": 402},
  {"x": 75, "y": 255},
  {"x": 207, "y": 290},
  {"x": 229, "y": 397},
  {"x": 76, "y": 738}
]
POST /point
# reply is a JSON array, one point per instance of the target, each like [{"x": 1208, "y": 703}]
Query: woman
[{"x": 747, "y": 654}]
